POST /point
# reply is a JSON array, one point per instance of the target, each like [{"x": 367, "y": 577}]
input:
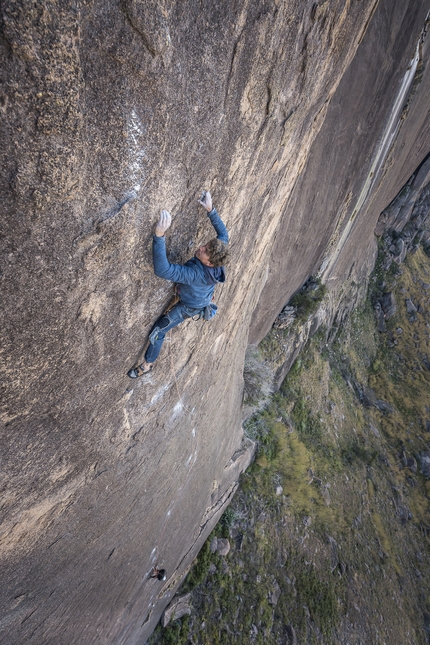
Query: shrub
[
  {"x": 199, "y": 571},
  {"x": 177, "y": 632},
  {"x": 260, "y": 428},
  {"x": 306, "y": 300},
  {"x": 257, "y": 376},
  {"x": 319, "y": 596}
]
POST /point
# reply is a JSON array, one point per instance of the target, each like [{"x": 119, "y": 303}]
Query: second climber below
[{"x": 196, "y": 281}]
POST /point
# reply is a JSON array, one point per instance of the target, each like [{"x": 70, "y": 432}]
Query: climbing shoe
[{"x": 140, "y": 370}]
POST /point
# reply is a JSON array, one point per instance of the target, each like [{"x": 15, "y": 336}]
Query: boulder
[
  {"x": 239, "y": 541},
  {"x": 223, "y": 546},
  {"x": 404, "y": 514},
  {"x": 326, "y": 495},
  {"x": 380, "y": 317},
  {"x": 369, "y": 397},
  {"x": 400, "y": 250},
  {"x": 285, "y": 318},
  {"x": 274, "y": 594},
  {"x": 425, "y": 463},
  {"x": 411, "y": 464},
  {"x": 343, "y": 567},
  {"x": 410, "y": 307},
  {"x": 388, "y": 304},
  {"x": 179, "y": 607},
  {"x": 403, "y": 458},
  {"x": 290, "y": 633},
  {"x": 374, "y": 430},
  {"x": 384, "y": 407}
]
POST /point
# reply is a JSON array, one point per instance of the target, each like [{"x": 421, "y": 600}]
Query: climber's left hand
[{"x": 163, "y": 223}]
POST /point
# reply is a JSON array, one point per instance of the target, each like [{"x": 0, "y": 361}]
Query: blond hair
[{"x": 218, "y": 252}]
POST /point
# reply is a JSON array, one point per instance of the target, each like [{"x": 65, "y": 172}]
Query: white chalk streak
[
  {"x": 135, "y": 131},
  {"x": 178, "y": 407}
]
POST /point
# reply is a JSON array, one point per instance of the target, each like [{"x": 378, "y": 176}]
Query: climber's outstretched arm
[
  {"x": 164, "y": 269},
  {"x": 219, "y": 226},
  {"x": 182, "y": 274},
  {"x": 216, "y": 221}
]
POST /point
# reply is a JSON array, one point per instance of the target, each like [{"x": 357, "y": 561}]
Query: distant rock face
[{"x": 110, "y": 112}]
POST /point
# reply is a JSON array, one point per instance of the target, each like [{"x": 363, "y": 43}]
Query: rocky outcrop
[
  {"x": 111, "y": 111},
  {"x": 404, "y": 209},
  {"x": 179, "y": 607}
]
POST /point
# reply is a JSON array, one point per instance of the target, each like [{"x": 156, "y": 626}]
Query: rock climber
[{"x": 195, "y": 280}]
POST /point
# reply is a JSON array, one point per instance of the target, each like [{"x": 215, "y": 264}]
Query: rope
[{"x": 183, "y": 488}]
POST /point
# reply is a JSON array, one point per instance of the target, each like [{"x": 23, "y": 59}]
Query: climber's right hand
[
  {"x": 163, "y": 223},
  {"x": 206, "y": 200}
]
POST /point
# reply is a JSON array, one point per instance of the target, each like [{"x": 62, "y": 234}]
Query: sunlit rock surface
[{"x": 110, "y": 112}]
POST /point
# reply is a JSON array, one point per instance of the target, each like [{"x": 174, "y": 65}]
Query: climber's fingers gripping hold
[
  {"x": 206, "y": 200},
  {"x": 163, "y": 223}
]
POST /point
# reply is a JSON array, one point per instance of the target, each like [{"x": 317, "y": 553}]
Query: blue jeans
[{"x": 172, "y": 318}]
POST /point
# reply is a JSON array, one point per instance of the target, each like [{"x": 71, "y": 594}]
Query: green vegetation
[
  {"x": 200, "y": 569},
  {"x": 355, "y": 450},
  {"x": 258, "y": 378},
  {"x": 307, "y": 300},
  {"x": 262, "y": 428},
  {"x": 174, "y": 634},
  {"x": 272, "y": 349},
  {"x": 319, "y": 596}
]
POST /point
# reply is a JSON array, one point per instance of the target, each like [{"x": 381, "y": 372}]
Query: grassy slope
[{"x": 346, "y": 541}]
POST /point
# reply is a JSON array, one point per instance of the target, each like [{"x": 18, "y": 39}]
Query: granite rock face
[{"x": 110, "y": 112}]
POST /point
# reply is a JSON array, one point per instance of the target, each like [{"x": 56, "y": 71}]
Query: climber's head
[{"x": 213, "y": 254}]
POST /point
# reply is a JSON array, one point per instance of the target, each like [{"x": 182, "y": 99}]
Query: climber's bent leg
[
  {"x": 157, "y": 335},
  {"x": 167, "y": 321}
]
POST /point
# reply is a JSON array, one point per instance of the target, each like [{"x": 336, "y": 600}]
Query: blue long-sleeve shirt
[{"x": 196, "y": 281}]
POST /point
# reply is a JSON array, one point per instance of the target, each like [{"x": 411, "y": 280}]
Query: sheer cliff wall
[{"x": 110, "y": 112}]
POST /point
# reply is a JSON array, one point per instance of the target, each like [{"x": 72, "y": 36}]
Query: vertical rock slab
[{"x": 344, "y": 187}]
